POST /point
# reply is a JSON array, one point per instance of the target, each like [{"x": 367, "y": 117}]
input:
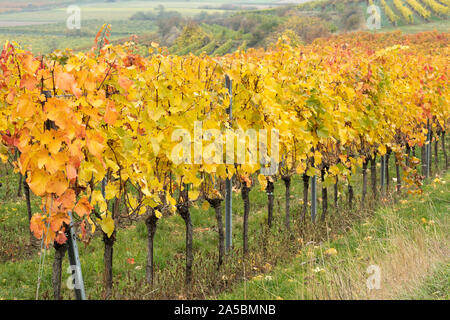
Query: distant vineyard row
[{"x": 395, "y": 10}]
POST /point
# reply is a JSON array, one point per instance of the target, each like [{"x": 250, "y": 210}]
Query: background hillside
[{"x": 215, "y": 27}]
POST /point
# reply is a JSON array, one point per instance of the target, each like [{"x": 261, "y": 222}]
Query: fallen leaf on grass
[
  {"x": 258, "y": 277},
  {"x": 330, "y": 252},
  {"x": 267, "y": 267}
]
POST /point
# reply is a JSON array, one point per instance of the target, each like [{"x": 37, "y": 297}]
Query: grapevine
[{"x": 114, "y": 115}]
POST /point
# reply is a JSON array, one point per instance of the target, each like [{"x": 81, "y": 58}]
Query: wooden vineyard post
[{"x": 228, "y": 182}]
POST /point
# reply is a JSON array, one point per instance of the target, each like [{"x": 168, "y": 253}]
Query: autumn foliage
[{"x": 79, "y": 118}]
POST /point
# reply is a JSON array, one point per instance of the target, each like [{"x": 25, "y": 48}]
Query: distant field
[
  {"x": 44, "y": 38},
  {"x": 110, "y": 10},
  {"x": 105, "y": 11},
  {"x": 19, "y": 23},
  {"x": 441, "y": 26},
  {"x": 43, "y": 30},
  {"x": 19, "y": 5}
]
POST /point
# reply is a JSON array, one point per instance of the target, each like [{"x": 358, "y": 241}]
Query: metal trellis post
[
  {"x": 228, "y": 182},
  {"x": 75, "y": 265}
]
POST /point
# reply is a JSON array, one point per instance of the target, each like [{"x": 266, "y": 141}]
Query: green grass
[
  {"x": 19, "y": 263},
  {"x": 21, "y": 274},
  {"x": 435, "y": 287},
  {"x": 313, "y": 275},
  {"x": 14, "y": 230}
]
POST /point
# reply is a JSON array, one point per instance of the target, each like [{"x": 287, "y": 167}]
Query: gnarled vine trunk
[
  {"x": 151, "y": 223},
  {"x": 336, "y": 193},
  {"x": 287, "y": 184},
  {"x": 186, "y": 215},
  {"x": 183, "y": 210},
  {"x": 26, "y": 190},
  {"x": 424, "y": 160},
  {"x": 324, "y": 196},
  {"x": 436, "y": 155},
  {"x": 217, "y": 205},
  {"x": 109, "y": 253},
  {"x": 60, "y": 251},
  {"x": 108, "y": 261},
  {"x": 431, "y": 154},
  {"x": 388, "y": 155},
  {"x": 350, "y": 195},
  {"x": 364, "y": 186},
  {"x": 397, "y": 170},
  {"x": 245, "y": 197},
  {"x": 270, "y": 197},
  {"x": 444, "y": 151},
  {"x": 373, "y": 175}
]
